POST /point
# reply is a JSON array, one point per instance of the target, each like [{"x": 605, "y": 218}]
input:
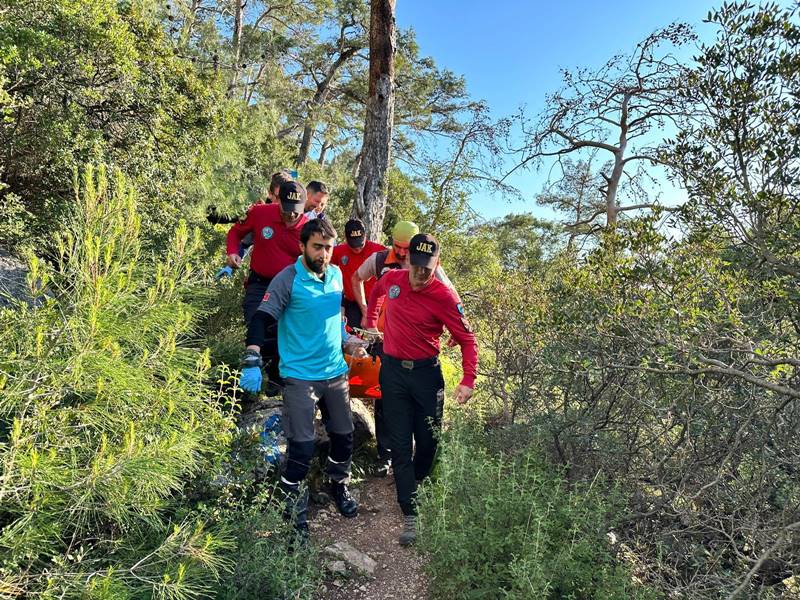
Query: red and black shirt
[
  {"x": 415, "y": 320},
  {"x": 349, "y": 262},
  {"x": 275, "y": 244}
]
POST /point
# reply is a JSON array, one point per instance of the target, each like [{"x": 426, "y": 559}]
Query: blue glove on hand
[
  {"x": 224, "y": 272},
  {"x": 250, "y": 379}
]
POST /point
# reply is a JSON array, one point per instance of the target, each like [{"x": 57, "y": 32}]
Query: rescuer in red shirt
[
  {"x": 276, "y": 245},
  {"x": 349, "y": 256},
  {"x": 417, "y": 309}
]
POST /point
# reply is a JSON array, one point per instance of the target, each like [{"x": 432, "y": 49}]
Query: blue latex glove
[
  {"x": 224, "y": 272},
  {"x": 250, "y": 379}
]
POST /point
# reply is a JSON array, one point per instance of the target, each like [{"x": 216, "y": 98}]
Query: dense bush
[
  {"x": 264, "y": 565},
  {"x": 107, "y": 424},
  {"x": 98, "y": 80},
  {"x": 659, "y": 365},
  {"x": 498, "y": 521}
]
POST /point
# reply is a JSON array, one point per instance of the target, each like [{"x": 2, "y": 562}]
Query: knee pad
[
  {"x": 341, "y": 446},
  {"x": 298, "y": 461}
]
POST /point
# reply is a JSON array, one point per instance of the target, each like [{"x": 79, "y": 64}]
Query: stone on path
[{"x": 355, "y": 558}]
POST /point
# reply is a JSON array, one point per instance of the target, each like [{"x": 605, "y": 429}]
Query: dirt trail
[{"x": 398, "y": 575}]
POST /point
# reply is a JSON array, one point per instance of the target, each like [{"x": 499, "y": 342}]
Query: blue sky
[{"x": 510, "y": 53}]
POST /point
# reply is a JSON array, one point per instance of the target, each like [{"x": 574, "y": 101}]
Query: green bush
[
  {"x": 499, "y": 523},
  {"x": 264, "y": 564},
  {"x": 105, "y": 418}
]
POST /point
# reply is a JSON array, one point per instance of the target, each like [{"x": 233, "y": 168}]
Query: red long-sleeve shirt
[
  {"x": 415, "y": 320},
  {"x": 275, "y": 245},
  {"x": 349, "y": 262}
]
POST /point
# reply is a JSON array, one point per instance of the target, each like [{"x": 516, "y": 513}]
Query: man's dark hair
[
  {"x": 317, "y": 186},
  {"x": 278, "y": 179},
  {"x": 320, "y": 226}
]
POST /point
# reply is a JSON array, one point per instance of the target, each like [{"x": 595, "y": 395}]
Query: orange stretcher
[{"x": 363, "y": 376}]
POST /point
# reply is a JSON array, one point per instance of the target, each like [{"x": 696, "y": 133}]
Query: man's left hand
[{"x": 462, "y": 394}]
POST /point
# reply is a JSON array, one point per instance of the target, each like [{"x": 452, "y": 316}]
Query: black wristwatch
[{"x": 251, "y": 358}]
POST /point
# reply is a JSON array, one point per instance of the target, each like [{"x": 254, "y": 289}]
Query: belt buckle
[{"x": 407, "y": 364}]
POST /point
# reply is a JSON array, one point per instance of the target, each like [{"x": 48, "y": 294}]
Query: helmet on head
[{"x": 403, "y": 231}]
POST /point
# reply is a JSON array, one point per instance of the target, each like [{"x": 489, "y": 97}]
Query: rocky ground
[{"x": 362, "y": 557}]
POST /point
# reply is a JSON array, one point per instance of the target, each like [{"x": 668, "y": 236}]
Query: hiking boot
[
  {"x": 409, "y": 534},
  {"x": 295, "y": 507},
  {"x": 345, "y": 503}
]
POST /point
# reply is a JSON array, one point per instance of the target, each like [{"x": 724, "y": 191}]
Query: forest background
[{"x": 635, "y": 429}]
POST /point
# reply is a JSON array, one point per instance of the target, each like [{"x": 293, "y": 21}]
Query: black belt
[
  {"x": 254, "y": 277},
  {"x": 411, "y": 364}
]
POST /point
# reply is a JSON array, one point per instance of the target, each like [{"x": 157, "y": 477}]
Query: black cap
[
  {"x": 423, "y": 250},
  {"x": 293, "y": 197},
  {"x": 355, "y": 233}
]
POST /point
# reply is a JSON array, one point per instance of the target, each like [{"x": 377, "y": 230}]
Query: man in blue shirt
[{"x": 305, "y": 300}]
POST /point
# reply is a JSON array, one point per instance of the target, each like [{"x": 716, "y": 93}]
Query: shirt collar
[{"x": 307, "y": 275}]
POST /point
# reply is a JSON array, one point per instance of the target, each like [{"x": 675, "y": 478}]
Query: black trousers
[
  {"x": 253, "y": 294},
  {"x": 413, "y": 400}
]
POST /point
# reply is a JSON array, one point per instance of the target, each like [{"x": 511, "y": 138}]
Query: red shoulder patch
[{"x": 266, "y": 297}]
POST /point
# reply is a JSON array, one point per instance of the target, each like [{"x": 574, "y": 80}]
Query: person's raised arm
[{"x": 364, "y": 272}]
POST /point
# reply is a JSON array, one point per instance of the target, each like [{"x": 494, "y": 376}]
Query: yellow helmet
[{"x": 403, "y": 231}]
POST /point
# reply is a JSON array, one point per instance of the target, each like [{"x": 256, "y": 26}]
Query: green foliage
[
  {"x": 93, "y": 80},
  {"x": 655, "y": 363},
  {"x": 499, "y": 522},
  {"x": 264, "y": 564},
  {"x": 13, "y": 219},
  {"x": 740, "y": 159},
  {"x": 105, "y": 416}
]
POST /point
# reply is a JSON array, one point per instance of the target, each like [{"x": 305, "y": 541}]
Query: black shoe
[
  {"x": 295, "y": 508},
  {"x": 345, "y": 503}
]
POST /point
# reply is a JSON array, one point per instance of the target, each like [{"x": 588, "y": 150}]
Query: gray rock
[
  {"x": 337, "y": 567},
  {"x": 13, "y": 285},
  {"x": 320, "y": 498},
  {"x": 355, "y": 558},
  {"x": 363, "y": 421}
]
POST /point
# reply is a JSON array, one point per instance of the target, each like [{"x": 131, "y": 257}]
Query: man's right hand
[
  {"x": 250, "y": 379},
  {"x": 234, "y": 260}
]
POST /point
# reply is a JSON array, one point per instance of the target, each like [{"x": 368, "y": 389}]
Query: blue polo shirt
[{"x": 308, "y": 311}]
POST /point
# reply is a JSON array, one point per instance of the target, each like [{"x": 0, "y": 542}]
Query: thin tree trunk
[
  {"x": 370, "y": 201},
  {"x": 238, "y": 27},
  {"x": 325, "y": 147},
  {"x": 611, "y": 192}
]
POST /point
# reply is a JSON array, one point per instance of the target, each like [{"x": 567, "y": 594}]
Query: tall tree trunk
[
  {"x": 370, "y": 201},
  {"x": 238, "y": 27},
  {"x": 612, "y": 207}
]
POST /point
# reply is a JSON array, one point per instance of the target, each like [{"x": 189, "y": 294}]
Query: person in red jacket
[
  {"x": 417, "y": 309},
  {"x": 276, "y": 245},
  {"x": 349, "y": 256}
]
